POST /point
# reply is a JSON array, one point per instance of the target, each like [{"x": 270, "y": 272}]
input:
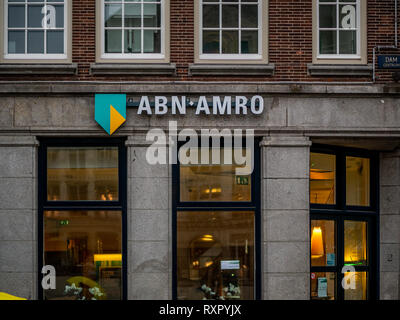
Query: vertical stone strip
[
  {"x": 18, "y": 216},
  {"x": 149, "y": 244},
  {"x": 390, "y": 225},
  {"x": 285, "y": 209}
]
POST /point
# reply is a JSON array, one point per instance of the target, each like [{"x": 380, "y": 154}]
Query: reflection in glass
[
  {"x": 355, "y": 243},
  {"x": 323, "y": 243},
  {"x": 215, "y": 255},
  {"x": 357, "y": 181},
  {"x": 361, "y": 284},
  {"x": 322, "y": 178},
  {"x": 217, "y": 182},
  {"x": 85, "y": 247},
  {"x": 82, "y": 173},
  {"x": 323, "y": 286}
]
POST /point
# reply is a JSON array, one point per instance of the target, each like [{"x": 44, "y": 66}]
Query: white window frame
[
  {"x": 339, "y": 56},
  {"x": 147, "y": 56},
  {"x": 35, "y": 56},
  {"x": 224, "y": 56}
]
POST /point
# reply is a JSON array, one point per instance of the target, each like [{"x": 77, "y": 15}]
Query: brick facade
[{"x": 289, "y": 42}]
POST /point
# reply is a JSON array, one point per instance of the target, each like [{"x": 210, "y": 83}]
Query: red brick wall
[{"x": 290, "y": 42}]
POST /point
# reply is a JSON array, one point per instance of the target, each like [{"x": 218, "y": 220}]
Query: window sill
[
  {"x": 48, "y": 69},
  {"x": 339, "y": 70},
  {"x": 168, "y": 69},
  {"x": 231, "y": 69}
]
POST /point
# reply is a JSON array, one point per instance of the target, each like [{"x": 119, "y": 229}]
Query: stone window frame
[
  {"x": 361, "y": 58},
  {"x": 260, "y": 58},
  {"x": 37, "y": 58},
  {"x": 148, "y": 58}
]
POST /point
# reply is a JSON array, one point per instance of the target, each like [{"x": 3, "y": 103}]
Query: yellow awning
[{"x": 5, "y": 296}]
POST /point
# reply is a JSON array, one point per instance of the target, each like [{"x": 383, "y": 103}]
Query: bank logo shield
[{"x": 110, "y": 111}]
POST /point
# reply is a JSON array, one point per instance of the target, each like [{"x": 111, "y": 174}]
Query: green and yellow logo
[{"x": 110, "y": 111}]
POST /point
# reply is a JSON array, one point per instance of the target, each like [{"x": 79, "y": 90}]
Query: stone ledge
[
  {"x": 286, "y": 141},
  {"x": 25, "y": 69},
  {"x": 339, "y": 70},
  {"x": 168, "y": 69},
  {"x": 18, "y": 141},
  {"x": 231, "y": 69}
]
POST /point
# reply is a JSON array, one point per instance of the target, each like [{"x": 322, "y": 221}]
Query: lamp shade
[{"x": 317, "y": 245}]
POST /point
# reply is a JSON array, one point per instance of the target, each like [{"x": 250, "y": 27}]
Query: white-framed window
[
  {"x": 231, "y": 29},
  {"x": 133, "y": 29},
  {"x": 339, "y": 29},
  {"x": 35, "y": 29}
]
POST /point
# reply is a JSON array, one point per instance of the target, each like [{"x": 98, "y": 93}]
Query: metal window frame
[
  {"x": 340, "y": 212},
  {"x": 45, "y": 205},
  {"x": 254, "y": 205}
]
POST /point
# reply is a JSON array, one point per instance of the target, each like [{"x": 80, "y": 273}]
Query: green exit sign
[
  {"x": 242, "y": 180},
  {"x": 64, "y": 222}
]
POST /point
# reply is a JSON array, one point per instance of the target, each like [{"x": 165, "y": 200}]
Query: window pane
[
  {"x": 133, "y": 39},
  {"x": 59, "y": 16},
  {"x": 327, "y": 42},
  {"x": 327, "y": 16},
  {"x": 323, "y": 243},
  {"x": 113, "y": 41},
  {"x": 322, "y": 178},
  {"x": 230, "y": 42},
  {"x": 210, "y": 16},
  {"x": 55, "y": 41},
  {"x": 249, "y": 16},
  {"x": 347, "y": 16},
  {"x": 82, "y": 173},
  {"x": 217, "y": 182},
  {"x": 355, "y": 243},
  {"x": 113, "y": 15},
  {"x": 249, "y": 42},
  {"x": 133, "y": 15},
  {"x": 348, "y": 42},
  {"x": 230, "y": 16},
  {"x": 152, "y": 15},
  {"x": 361, "y": 290},
  {"x": 35, "y": 16},
  {"x": 35, "y": 41},
  {"x": 16, "y": 41},
  {"x": 357, "y": 181},
  {"x": 152, "y": 41},
  {"x": 323, "y": 286},
  {"x": 16, "y": 16},
  {"x": 215, "y": 255},
  {"x": 210, "y": 41},
  {"x": 85, "y": 247}
]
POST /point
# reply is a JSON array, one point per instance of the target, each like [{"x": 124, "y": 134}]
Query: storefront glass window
[
  {"x": 358, "y": 181},
  {"x": 322, "y": 178},
  {"x": 215, "y": 182},
  {"x": 361, "y": 287},
  {"x": 215, "y": 255},
  {"x": 323, "y": 286},
  {"x": 355, "y": 243},
  {"x": 323, "y": 243},
  {"x": 87, "y": 173},
  {"x": 85, "y": 247}
]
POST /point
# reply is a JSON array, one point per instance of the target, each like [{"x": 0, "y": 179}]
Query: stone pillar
[
  {"x": 149, "y": 236},
  {"x": 390, "y": 225},
  {"x": 285, "y": 210},
  {"x": 18, "y": 216}
]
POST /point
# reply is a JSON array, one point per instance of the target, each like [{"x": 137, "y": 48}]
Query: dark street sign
[{"x": 386, "y": 61}]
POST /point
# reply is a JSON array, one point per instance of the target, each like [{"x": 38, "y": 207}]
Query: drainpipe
[{"x": 386, "y": 47}]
